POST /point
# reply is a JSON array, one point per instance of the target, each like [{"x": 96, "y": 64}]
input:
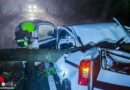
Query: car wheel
[{"x": 66, "y": 84}]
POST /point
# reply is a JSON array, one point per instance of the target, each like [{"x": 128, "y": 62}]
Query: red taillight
[{"x": 84, "y": 70}]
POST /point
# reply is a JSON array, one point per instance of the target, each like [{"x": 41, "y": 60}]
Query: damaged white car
[
  {"x": 103, "y": 61},
  {"x": 98, "y": 57}
]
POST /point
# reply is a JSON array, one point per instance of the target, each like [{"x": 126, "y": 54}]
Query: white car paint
[
  {"x": 88, "y": 33},
  {"x": 46, "y": 41},
  {"x": 100, "y": 32},
  {"x": 70, "y": 72},
  {"x": 92, "y": 33},
  {"x": 114, "y": 78}
]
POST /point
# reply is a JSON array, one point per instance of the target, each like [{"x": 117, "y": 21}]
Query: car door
[
  {"x": 66, "y": 39},
  {"x": 46, "y": 33}
]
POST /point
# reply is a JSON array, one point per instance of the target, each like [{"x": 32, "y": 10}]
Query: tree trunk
[{"x": 45, "y": 55}]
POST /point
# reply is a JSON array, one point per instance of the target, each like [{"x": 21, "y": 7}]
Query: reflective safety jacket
[{"x": 22, "y": 43}]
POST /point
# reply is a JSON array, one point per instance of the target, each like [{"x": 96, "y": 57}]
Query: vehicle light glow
[
  {"x": 29, "y": 6},
  {"x": 32, "y": 12},
  {"x": 34, "y": 7},
  {"x": 84, "y": 70}
]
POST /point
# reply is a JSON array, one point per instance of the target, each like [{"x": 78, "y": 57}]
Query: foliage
[{"x": 98, "y": 7}]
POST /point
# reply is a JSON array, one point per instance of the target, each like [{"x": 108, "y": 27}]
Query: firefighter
[
  {"x": 23, "y": 34},
  {"x": 23, "y": 39}
]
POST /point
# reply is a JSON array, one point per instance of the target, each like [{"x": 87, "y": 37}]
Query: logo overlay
[{"x": 6, "y": 85}]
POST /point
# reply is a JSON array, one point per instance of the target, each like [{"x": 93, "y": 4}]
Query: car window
[{"x": 45, "y": 32}]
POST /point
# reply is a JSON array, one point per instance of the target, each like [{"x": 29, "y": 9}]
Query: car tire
[{"x": 66, "y": 84}]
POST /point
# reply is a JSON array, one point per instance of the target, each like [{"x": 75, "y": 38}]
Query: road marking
[{"x": 50, "y": 79}]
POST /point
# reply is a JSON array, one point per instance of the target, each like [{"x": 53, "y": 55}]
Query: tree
[{"x": 45, "y": 55}]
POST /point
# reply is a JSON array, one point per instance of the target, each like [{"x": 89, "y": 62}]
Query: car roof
[{"x": 95, "y": 33}]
